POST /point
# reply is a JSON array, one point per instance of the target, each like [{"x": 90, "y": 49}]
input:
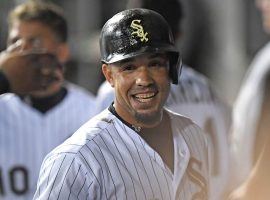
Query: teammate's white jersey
[
  {"x": 246, "y": 113},
  {"x": 195, "y": 98},
  {"x": 27, "y": 136},
  {"x": 106, "y": 159}
]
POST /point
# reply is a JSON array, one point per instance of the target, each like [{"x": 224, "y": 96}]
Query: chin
[
  {"x": 51, "y": 90},
  {"x": 148, "y": 118},
  {"x": 43, "y": 93},
  {"x": 40, "y": 94}
]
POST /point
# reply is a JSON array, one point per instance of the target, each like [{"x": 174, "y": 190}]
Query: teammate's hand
[{"x": 29, "y": 71}]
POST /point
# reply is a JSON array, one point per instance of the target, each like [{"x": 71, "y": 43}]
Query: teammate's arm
[{"x": 257, "y": 184}]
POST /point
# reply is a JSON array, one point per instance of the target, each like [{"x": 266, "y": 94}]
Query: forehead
[{"x": 25, "y": 28}]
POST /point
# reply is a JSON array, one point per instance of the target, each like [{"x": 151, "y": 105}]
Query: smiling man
[{"x": 136, "y": 149}]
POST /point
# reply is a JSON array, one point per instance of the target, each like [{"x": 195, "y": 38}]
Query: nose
[{"x": 144, "y": 77}]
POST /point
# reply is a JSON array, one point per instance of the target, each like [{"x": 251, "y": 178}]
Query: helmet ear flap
[{"x": 175, "y": 67}]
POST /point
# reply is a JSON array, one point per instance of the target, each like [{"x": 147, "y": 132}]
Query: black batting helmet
[{"x": 137, "y": 31}]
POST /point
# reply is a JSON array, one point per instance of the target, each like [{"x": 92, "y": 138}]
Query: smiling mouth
[{"x": 144, "y": 98}]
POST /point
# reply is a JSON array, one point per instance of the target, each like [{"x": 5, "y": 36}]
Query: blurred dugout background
[{"x": 220, "y": 38}]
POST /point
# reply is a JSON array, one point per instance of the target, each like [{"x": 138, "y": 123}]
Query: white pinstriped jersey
[
  {"x": 27, "y": 136},
  {"x": 246, "y": 113},
  {"x": 194, "y": 97},
  {"x": 105, "y": 159}
]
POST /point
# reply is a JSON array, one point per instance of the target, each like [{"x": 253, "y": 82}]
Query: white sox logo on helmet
[{"x": 139, "y": 31}]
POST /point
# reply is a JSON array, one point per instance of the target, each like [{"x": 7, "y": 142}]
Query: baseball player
[
  {"x": 33, "y": 123},
  {"x": 193, "y": 97},
  {"x": 136, "y": 149}
]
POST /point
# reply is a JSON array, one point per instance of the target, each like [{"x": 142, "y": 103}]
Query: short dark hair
[
  {"x": 46, "y": 13},
  {"x": 171, "y": 10}
]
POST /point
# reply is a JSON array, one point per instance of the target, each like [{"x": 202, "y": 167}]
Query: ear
[
  {"x": 107, "y": 72},
  {"x": 63, "y": 52}
]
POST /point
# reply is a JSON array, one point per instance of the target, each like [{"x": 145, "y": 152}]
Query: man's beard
[{"x": 150, "y": 118}]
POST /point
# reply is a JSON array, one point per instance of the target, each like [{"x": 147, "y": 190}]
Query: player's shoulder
[
  {"x": 105, "y": 93},
  {"x": 80, "y": 97},
  {"x": 78, "y": 91},
  {"x": 185, "y": 125},
  {"x": 181, "y": 120},
  {"x": 193, "y": 87},
  {"x": 86, "y": 134},
  {"x": 7, "y": 97},
  {"x": 104, "y": 89},
  {"x": 9, "y": 100},
  {"x": 105, "y": 96},
  {"x": 193, "y": 82},
  {"x": 189, "y": 75}
]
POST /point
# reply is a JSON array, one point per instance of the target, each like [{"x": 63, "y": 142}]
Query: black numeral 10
[{"x": 17, "y": 181}]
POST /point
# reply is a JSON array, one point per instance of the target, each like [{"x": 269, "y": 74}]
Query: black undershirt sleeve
[{"x": 4, "y": 84}]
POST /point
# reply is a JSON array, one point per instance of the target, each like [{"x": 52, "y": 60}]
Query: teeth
[
  {"x": 143, "y": 100},
  {"x": 144, "y": 97}
]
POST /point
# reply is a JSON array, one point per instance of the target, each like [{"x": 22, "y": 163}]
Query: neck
[{"x": 158, "y": 127}]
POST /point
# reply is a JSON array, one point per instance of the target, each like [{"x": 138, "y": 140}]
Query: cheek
[
  {"x": 121, "y": 84},
  {"x": 51, "y": 48},
  {"x": 164, "y": 83},
  {"x": 166, "y": 86},
  {"x": 163, "y": 78}
]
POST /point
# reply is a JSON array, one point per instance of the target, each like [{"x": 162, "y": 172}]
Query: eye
[
  {"x": 128, "y": 67},
  {"x": 35, "y": 42}
]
